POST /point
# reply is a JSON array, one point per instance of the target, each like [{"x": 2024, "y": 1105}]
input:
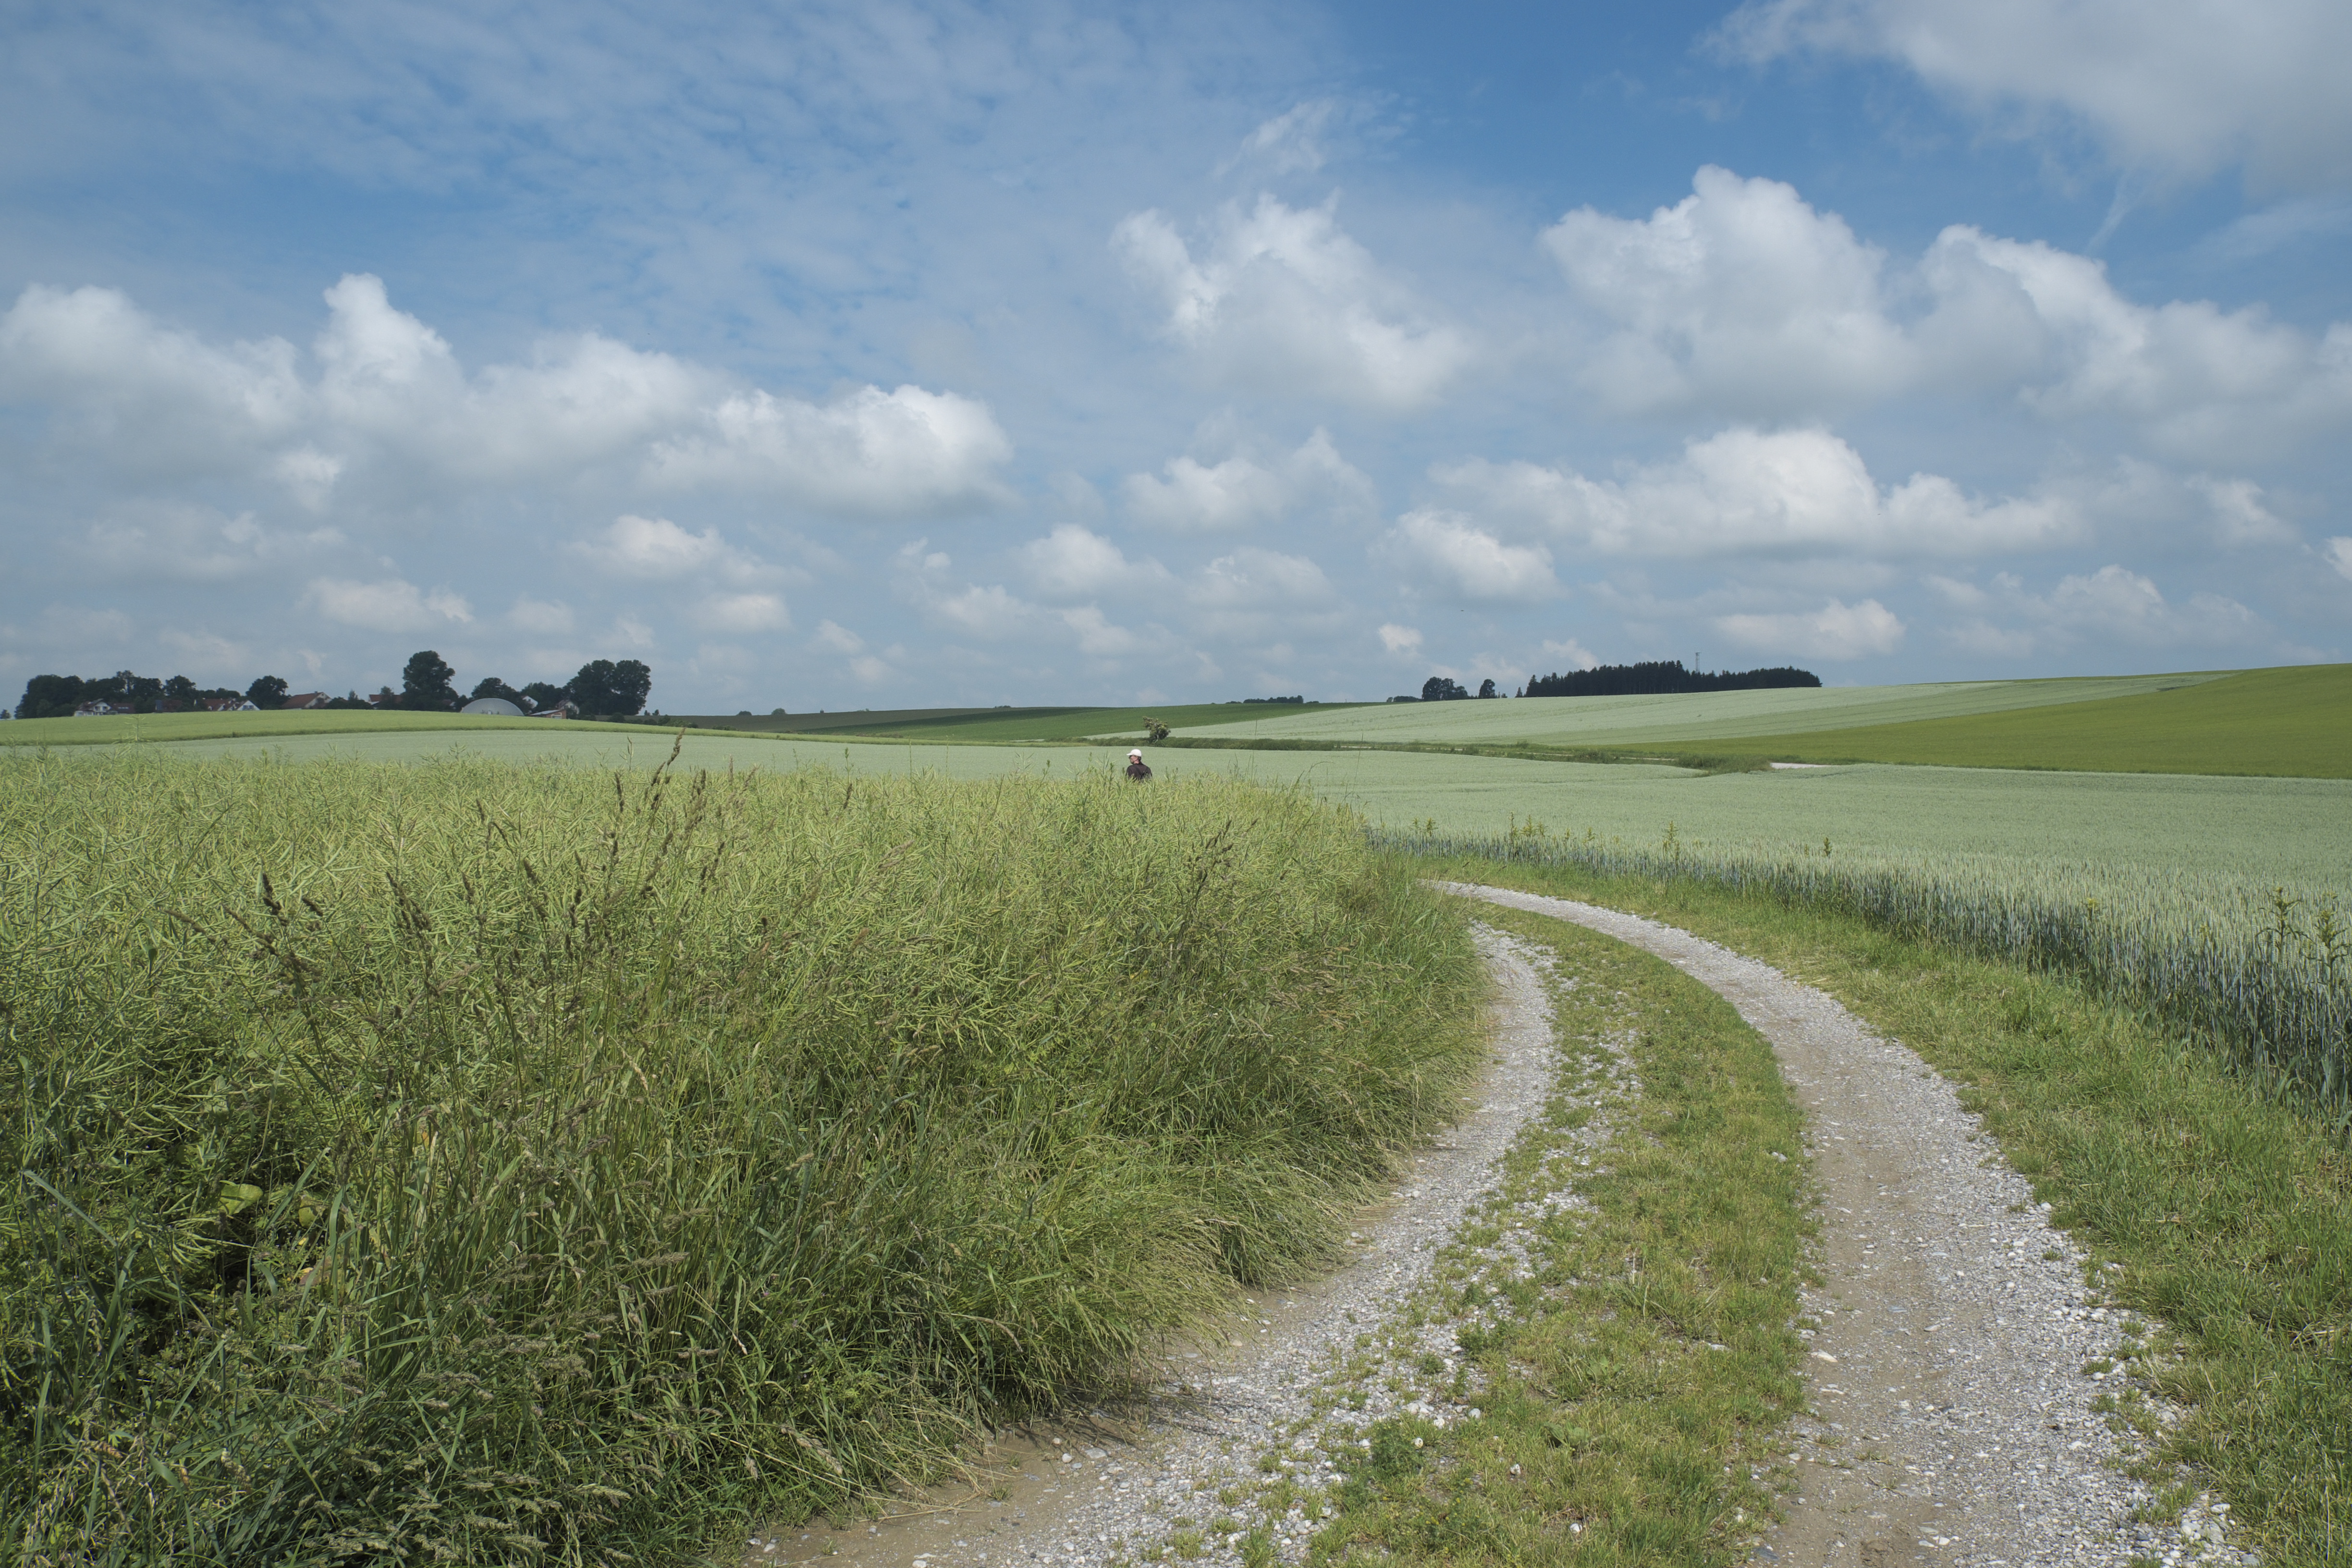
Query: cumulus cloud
[
  {"x": 541, "y": 617},
  {"x": 2339, "y": 554},
  {"x": 1282, "y": 298},
  {"x": 639, "y": 547},
  {"x": 2202, "y": 381},
  {"x": 986, "y": 611},
  {"x": 2182, "y": 87},
  {"x": 1451, "y": 551},
  {"x": 1743, "y": 299},
  {"x": 1074, "y": 563},
  {"x": 1255, "y": 594},
  {"x": 1242, "y": 493},
  {"x": 1263, "y": 578},
  {"x": 1742, "y": 295},
  {"x": 907, "y": 453},
  {"x": 1572, "y": 653},
  {"x": 2113, "y": 604},
  {"x": 1402, "y": 641},
  {"x": 390, "y": 605},
  {"x": 1098, "y": 636},
  {"x": 197, "y": 543},
  {"x": 390, "y": 399},
  {"x": 2240, "y": 516},
  {"x": 1292, "y": 142},
  {"x": 1787, "y": 492},
  {"x": 746, "y": 612},
  {"x": 1835, "y": 631}
]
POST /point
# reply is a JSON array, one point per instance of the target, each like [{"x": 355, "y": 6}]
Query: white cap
[{"x": 1138, "y": 756}]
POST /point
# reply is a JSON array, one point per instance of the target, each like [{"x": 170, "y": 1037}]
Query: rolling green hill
[
  {"x": 2293, "y": 723},
  {"x": 1575, "y": 722},
  {"x": 933, "y": 725}
]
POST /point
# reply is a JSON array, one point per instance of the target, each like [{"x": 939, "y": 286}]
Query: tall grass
[
  {"x": 2267, "y": 979},
  {"x": 463, "y": 1162}
]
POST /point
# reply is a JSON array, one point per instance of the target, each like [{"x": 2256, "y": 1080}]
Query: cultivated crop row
[{"x": 2264, "y": 973}]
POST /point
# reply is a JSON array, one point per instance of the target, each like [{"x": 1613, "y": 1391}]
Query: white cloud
[
  {"x": 1835, "y": 631},
  {"x": 2339, "y": 554},
  {"x": 1240, "y": 493},
  {"x": 392, "y": 605},
  {"x": 1292, "y": 142},
  {"x": 1255, "y": 594},
  {"x": 2113, "y": 604},
  {"x": 1284, "y": 300},
  {"x": 208, "y": 650},
  {"x": 746, "y": 612},
  {"x": 1263, "y": 578},
  {"x": 140, "y": 385},
  {"x": 1788, "y": 492},
  {"x": 541, "y": 617},
  {"x": 391, "y": 399},
  {"x": 2239, "y": 518},
  {"x": 1572, "y": 652},
  {"x": 907, "y": 453},
  {"x": 2198, "y": 379},
  {"x": 1745, "y": 300},
  {"x": 195, "y": 543},
  {"x": 1403, "y": 641},
  {"x": 388, "y": 381},
  {"x": 637, "y": 548},
  {"x": 1099, "y": 637},
  {"x": 1073, "y": 563},
  {"x": 308, "y": 475},
  {"x": 1741, "y": 297},
  {"x": 835, "y": 638},
  {"x": 1467, "y": 562},
  {"x": 2183, "y": 87},
  {"x": 987, "y": 612}
]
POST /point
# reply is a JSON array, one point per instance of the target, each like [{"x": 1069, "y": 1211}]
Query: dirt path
[
  {"x": 1956, "y": 1372},
  {"x": 1116, "y": 1482}
]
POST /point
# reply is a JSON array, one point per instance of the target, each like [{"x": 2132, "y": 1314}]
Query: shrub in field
[
  {"x": 2269, "y": 980},
  {"x": 468, "y": 1163}
]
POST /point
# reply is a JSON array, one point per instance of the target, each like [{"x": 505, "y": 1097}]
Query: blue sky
[{"x": 886, "y": 354}]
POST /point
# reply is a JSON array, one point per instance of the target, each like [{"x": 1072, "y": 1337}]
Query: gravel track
[
  {"x": 1953, "y": 1413},
  {"x": 1231, "y": 1419},
  {"x": 1953, "y": 1396}
]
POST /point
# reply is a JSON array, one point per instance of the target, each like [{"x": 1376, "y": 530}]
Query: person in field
[{"x": 1137, "y": 769}]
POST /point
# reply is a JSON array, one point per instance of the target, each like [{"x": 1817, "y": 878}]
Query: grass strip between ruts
[
  {"x": 1633, "y": 1372},
  {"x": 2229, "y": 1214}
]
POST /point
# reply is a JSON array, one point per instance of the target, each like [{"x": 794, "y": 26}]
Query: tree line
[
  {"x": 1662, "y": 676},
  {"x": 604, "y": 688}
]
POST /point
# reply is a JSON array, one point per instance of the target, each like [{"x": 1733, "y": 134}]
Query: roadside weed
[{"x": 461, "y": 1161}]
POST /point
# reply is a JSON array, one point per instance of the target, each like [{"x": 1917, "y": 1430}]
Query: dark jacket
[{"x": 1138, "y": 771}]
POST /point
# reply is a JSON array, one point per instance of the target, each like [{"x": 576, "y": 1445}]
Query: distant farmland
[
  {"x": 2293, "y": 722},
  {"x": 934, "y": 724}
]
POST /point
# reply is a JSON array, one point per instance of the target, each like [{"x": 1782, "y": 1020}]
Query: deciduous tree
[{"x": 425, "y": 683}]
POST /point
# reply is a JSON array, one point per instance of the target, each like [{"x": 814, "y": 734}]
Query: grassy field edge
[
  {"x": 466, "y": 1163},
  {"x": 2229, "y": 1213}
]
